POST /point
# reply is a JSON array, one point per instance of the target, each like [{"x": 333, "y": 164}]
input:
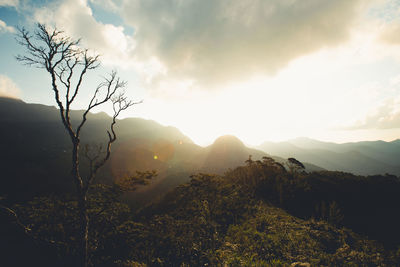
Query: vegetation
[
  {"x": 266, "y": 213},
  {"x": 261, "y": 214}
]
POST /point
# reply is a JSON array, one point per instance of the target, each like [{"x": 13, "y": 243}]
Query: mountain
[
  {"x": 365, "y": 158},
  {"x": 36, "y": 151},
  {"x": 35, "y": 148},
  {"x": 228, "y": 151},
  {"x": 254, "y": 214}
]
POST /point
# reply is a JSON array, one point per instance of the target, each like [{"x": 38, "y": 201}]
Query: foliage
[
  {"x": 244, "y": 218},
  {"x": 54, "y": 218},
  {"x": 367, "y": 205}
]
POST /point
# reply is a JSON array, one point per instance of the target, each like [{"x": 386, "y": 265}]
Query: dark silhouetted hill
[
  {"x": 228, "y": 151},
  {"x": 35, "y": 148},
  {"x": 36, "y": 151}
]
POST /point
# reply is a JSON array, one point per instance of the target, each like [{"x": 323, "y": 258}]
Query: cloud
[
  {"x": 8, "y": 88},
  {"x": 182, "y": 46},
  {"x": 386, "y": 116},
  {"x": 391, "y": 33},
  {"x": 209, "y": 42},
  {"x": 76, "y": 19},
  {"x": 13, "y": 3},
  {"x": 5, "y": 28},
  {"x": 388, "y": 13}
]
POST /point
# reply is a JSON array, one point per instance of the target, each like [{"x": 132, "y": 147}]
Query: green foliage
[
  {"x": 364, "y": 204},
  {"x": 244, "y": 218},
  {"x": 273, "y": 235},
  {"x": 190, "y": 227}
]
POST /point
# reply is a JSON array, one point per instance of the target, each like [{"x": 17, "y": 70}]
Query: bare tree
[{"x": 67, "y": 65}]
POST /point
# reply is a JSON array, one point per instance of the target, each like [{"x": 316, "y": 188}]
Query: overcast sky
[{"x": 260, "y": 70}]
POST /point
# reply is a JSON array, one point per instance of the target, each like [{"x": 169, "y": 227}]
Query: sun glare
[{"x": 312, "y": 96}]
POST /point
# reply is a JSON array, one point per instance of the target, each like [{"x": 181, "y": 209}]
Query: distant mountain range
[
  {"x": 35, "y": 152},
  {"x": 364, "y": 158}
]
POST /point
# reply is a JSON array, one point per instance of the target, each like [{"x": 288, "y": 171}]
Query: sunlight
[
  {"x": 192, "y": 133},
  {"x": 308, "y": 98}
]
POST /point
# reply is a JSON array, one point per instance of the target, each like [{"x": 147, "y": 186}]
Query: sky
[{"x": 260, "y": 70}]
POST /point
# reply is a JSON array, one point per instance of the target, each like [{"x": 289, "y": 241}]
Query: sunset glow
[{"x": 324, "y": 70}]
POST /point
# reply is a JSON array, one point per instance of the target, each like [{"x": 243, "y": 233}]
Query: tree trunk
[
  {"x": 84, "y": 230},
  {"x": 82, "y": 207}
]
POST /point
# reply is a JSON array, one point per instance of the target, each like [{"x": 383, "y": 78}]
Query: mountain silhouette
[
  {"x": 364, "y": 158},
  {"x": 228, "y": 151},
  {"x": 36, "y": 151}
]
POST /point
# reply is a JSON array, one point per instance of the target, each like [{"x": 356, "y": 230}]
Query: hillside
[
  {"x": 212, "y": 221},
  {"x": 257, "y": 210},
  {"x": 36, "y": 148},
  {"x": 37, "y": 151},
  {"x": 364, "y": 158},
  {"x": 254, "y": 215}
]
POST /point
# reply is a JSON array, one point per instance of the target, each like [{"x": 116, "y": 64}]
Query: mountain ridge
[
  {"x": 39, "y": 148},
  {"x": 364, "y": 157},
  {"x": 37, "y": 151}
]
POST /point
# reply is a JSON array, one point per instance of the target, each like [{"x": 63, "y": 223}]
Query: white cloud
[
  {"x": 391, "y": 33},
  {"x": 206, "y": 44},
  {"x": 13, "y": 3},
  {"x": 5, "y": 28},
  {"x": 76, "y": 19},
  {"x": 395, "y": 81},
  {"x": 8, "y": 88},
  {"x": 385, "y": 116},
  {"x": 302, "y": 67}
]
